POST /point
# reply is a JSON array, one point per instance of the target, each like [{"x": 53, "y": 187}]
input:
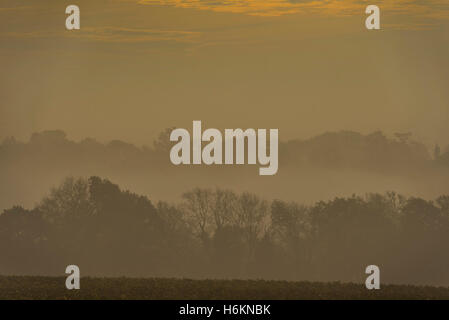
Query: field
[{"x": 161, "y": 289}]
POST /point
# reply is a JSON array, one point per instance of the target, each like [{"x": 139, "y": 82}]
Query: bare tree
[
  {"x": 250, "y": 216},
  {"x": 225, "y": 207},
  {"x": 198, "y": 205}
]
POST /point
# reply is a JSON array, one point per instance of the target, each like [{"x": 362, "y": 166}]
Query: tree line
[
  {"x": 343, "y": 149},
  {"x": 218, "y": 233}
]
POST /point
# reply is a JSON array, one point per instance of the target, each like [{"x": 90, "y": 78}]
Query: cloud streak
[
  {"x": 428, "y": 8},
  {"x": 12, "y": 9},
  {"x": 114, "y": 34}
]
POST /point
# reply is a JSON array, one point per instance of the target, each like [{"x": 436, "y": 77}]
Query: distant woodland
[
  {"x": 320, "y": 168},
  {"x": 341, "y": 201}
]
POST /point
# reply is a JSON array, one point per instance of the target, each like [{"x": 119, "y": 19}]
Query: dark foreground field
[{"x": 131, "y": 288}]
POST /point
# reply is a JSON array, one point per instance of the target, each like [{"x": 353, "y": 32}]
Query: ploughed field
[{"x": 15, "y": 287}]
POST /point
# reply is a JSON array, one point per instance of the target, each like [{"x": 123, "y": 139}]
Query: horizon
[{"x": 391, "y": 136}]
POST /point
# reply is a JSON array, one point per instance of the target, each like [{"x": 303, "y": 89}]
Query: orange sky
[
  {"x": 137, "y": 67},
  {"x": 428, "y": 8}
]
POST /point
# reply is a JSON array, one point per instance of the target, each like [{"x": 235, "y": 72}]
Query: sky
[{"x": 302, "y": 66}]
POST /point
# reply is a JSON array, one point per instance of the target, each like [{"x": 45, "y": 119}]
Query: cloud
[
  {"x": 116, "y": 34},
  {"x": 9, "y": 9},
  {"x": 428, "y": 8},
  {"x": 404, "y": 26},
  {"x": 113, "y": 34}
]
